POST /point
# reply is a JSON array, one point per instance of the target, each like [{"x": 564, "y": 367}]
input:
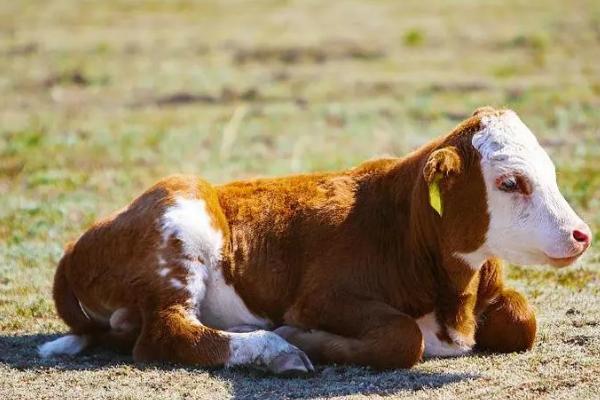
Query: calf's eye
[{"x": 508, "y": 184}]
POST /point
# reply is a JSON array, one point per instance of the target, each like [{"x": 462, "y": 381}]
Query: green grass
[{"x": 100, "y": 99}]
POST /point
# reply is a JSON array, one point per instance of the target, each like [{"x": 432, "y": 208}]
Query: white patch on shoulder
[
  {"x": 189, "y": 221},
  {"x": 216, "y": 303},
  {"x": 434, "y": 347},
  {"x": 66, "y": 345}
]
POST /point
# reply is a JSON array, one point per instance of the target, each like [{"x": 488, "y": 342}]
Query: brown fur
[
  {"x": 114, "y": 265},
  {"x": 351, "y": 258}
]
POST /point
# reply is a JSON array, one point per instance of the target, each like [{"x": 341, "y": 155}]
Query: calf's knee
[
  {"x": 507, "y": 325},
  {"x": 400, "y": 345}
]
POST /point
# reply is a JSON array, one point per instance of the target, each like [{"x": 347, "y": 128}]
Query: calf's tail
[{"x": 70, "y": 311}]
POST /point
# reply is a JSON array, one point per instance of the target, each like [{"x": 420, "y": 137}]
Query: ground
[{"x": 101, "y": 98}]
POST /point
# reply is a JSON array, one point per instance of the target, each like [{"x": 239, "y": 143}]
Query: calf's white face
[{"x": 530, "y": 220}]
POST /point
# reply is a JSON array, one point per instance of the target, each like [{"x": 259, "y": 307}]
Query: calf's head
[{"x": 528, "y": 219}]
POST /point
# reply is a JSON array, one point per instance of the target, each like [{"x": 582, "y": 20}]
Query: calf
[{"x": 377, "y": 265}]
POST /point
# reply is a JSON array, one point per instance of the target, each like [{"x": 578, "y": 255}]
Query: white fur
[
  {"x": 177, "y": 284},
  {"x": 216, "y": 303},
  {"x": 434, "y": 347},
  {"x": 257, "y": 348},
  {"x": 522, "y": 229},
  {"x": 196, "y": 282},
  {"x": 223, "y": 308},
  {"x": 66, "y": 345},
  {"x": 475, "y": 259},
  {"x": 164, "y": 272},
  {"x": 190, "y": 222}
]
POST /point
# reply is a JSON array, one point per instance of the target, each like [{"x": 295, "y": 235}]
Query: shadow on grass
[
  {"x": 330, "y": 381},
  {"x": 20, "y": 352}
]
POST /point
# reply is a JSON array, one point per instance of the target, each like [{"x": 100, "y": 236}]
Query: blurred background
[{"x": 99, "y": 99}]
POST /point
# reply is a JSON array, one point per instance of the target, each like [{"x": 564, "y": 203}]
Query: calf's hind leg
[
  {"x": 193, "y": 232},
  {"x": 506, "y": 325},
  {"x": 174, "y": 334}
]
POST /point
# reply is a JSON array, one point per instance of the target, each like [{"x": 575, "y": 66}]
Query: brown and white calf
[{"x": 377, "y": 265}]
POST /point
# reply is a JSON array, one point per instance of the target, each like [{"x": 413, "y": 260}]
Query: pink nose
[{"x": 580, "y": 236}]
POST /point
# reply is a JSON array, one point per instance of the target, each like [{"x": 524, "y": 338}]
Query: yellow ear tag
[{"x": 435, "y": 199}]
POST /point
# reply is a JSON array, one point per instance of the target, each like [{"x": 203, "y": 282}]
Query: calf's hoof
[{"x": 291, "y": 363}]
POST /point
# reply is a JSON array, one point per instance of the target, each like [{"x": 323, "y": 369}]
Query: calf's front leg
[
  {"x": 507, "y": 324},
  {"x": 370, "y": 334}
]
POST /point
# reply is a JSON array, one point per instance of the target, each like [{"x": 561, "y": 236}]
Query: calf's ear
[{"x": 441, "y": 163}]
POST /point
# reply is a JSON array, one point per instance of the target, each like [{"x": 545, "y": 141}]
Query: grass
[{"x": 100, "y": 99}]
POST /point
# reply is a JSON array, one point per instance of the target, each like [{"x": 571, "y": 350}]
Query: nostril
[{"x": 580, "y": 236}]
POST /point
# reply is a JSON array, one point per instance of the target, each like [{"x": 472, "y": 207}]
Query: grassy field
[{"x": 98, "y": 99}]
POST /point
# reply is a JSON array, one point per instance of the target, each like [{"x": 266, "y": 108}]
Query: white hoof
[{"x": 265, "y": 349}]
